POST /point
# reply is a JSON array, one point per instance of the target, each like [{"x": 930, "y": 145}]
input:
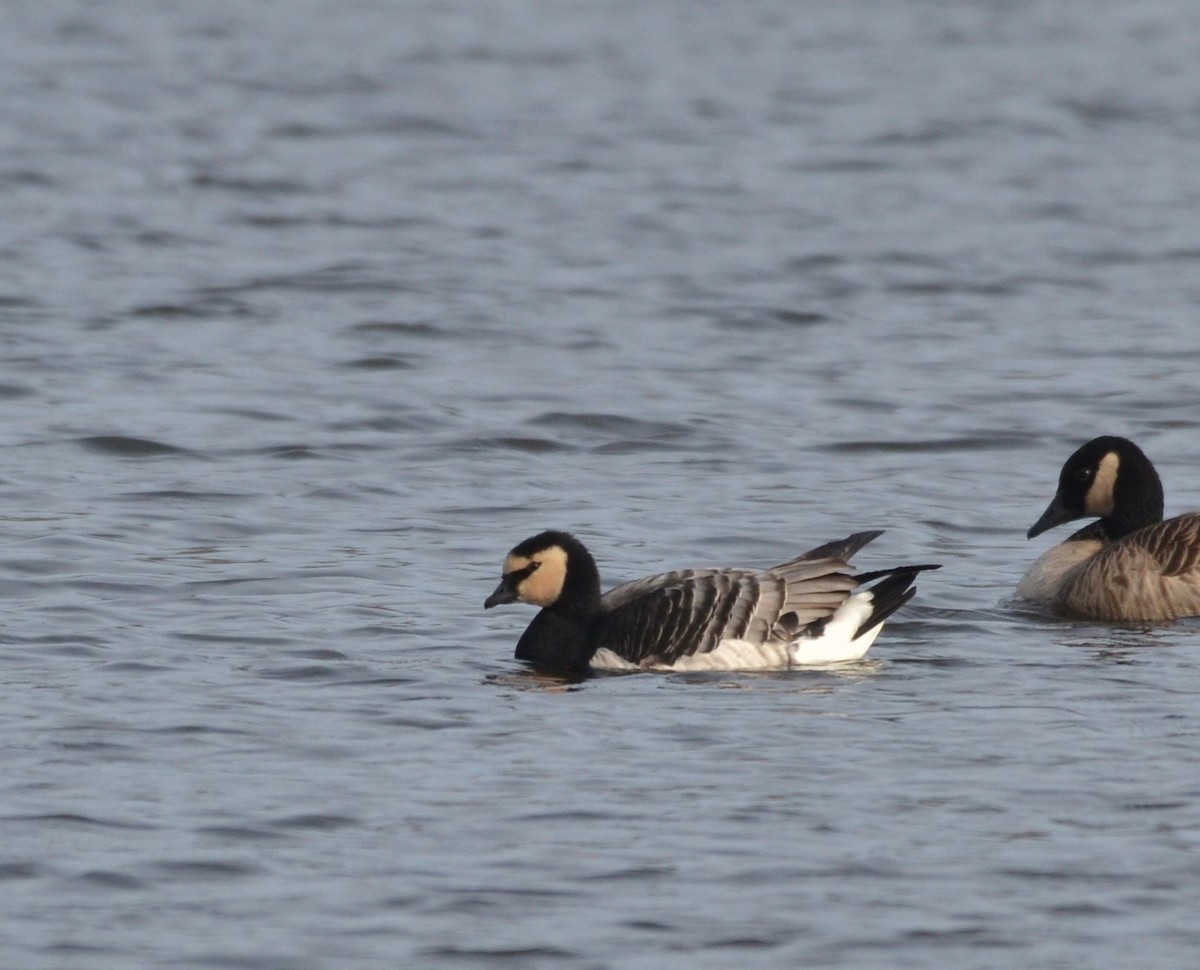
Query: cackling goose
[{"x": 1128, "y": 565}]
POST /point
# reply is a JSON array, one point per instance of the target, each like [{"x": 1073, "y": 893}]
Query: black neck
[
  {"x": 580, "y": 596},
  {"x": 1137, "y": 498}
]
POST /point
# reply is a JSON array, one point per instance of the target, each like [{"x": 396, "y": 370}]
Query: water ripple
[
  {"x": 522, "y": 956},
  {"x": 11, "y": 871},
  {"x": 190, "y": 870},
  {"x": 124, "y": 446},
  {"x": 74, "y": 820},
  {"x": 316, "y": 823},
  {"x": 989, "y": 442},
  {"x": 107, "y": 880}
]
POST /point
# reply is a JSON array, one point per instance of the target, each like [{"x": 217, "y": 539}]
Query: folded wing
[
  {"x": 661, "y": 618},
  {"x": 1152, "y": 575}
]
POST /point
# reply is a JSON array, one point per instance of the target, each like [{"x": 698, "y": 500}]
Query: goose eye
[{"x": 522, "y": 574}]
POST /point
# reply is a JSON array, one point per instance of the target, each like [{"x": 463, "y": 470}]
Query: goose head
[
  {"x": 548, "y": 569},
  {"x": 1109, "y": 478}
]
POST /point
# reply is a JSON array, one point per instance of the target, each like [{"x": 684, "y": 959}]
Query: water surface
[{"x": 310, "y": 311}]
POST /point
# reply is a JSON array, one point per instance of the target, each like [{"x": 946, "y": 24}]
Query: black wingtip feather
[
  {"x": 841, "y": 548},
  {"x": 869, "y": 577},
  {"x": 891, "y": 593}
]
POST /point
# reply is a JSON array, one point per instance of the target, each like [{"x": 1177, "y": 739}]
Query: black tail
[{"x": 895, "y": 589}]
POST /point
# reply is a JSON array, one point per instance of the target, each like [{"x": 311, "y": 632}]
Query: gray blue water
[{"x": 310, "y": 310}]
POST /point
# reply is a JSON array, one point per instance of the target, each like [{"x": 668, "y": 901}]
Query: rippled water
[{"x": 310, "y": 311}]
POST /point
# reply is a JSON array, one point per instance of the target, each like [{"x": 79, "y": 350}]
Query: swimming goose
[
  {"x": 805, "y": 611},
  {"x": 1127, "y": 565}
]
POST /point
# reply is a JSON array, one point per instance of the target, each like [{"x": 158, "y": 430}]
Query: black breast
[{"x": 556, "y": 641}]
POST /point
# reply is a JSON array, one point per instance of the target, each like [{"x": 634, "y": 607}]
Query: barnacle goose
[{"x": 811, "y": 610}]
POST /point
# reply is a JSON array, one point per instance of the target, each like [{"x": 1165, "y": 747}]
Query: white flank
[
  {"x": 836, "y": 644},
  {"x": 605, "y": 659},
  {"x": 736, "y": 655}
]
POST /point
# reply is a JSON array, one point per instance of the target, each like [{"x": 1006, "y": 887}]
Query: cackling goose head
[{"x": 1110, "y": 478}]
